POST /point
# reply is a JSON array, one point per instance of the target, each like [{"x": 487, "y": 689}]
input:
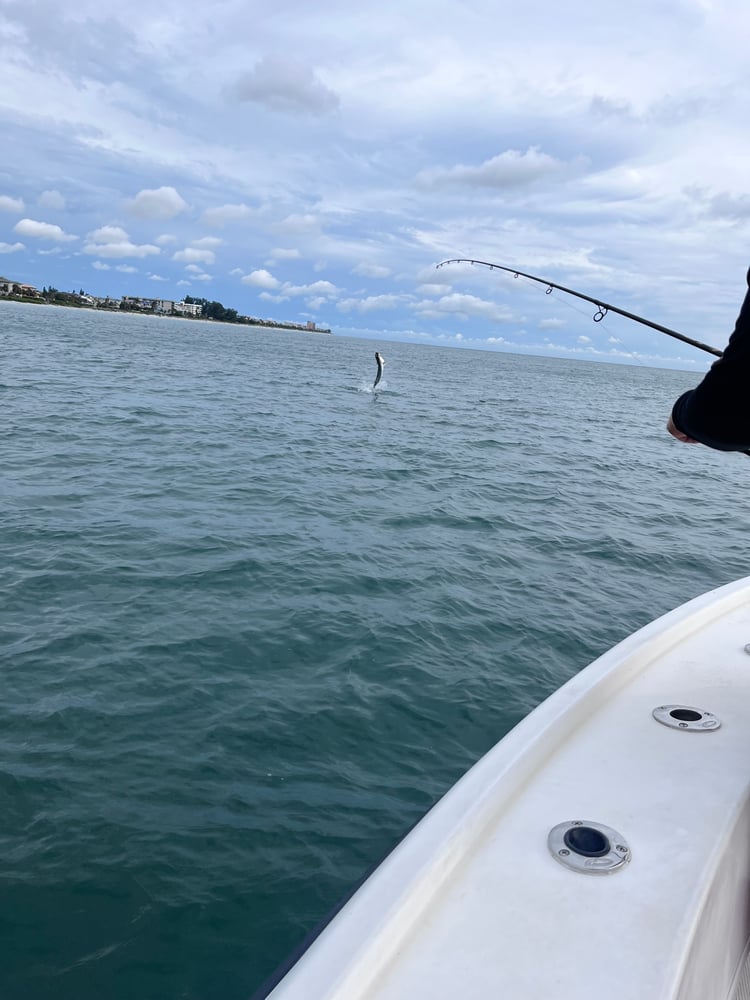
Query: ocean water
[{"x": 256, "y": 618}]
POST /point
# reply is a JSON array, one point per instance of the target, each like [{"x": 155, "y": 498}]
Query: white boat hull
[{"x": 474, "y": 903}]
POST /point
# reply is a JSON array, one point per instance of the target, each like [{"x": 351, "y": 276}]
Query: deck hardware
[
  {"x": 686, "y": 718},
  {"x": 588, "y": 848}
]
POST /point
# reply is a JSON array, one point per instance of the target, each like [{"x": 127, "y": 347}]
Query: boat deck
[
  {"x": 473, "y": 904},
  {"x": 742, "y": 990}
]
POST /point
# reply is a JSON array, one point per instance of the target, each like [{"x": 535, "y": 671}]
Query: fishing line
[
  {"x": 602, "y": 308},
  {"x": 603, "y": 322}
]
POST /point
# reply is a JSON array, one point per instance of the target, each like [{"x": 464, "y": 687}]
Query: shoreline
[{"x": 260, "y": 324}]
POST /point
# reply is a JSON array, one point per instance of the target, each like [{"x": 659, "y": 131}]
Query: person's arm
[
  {"x": 677, "y": 433},
  {"x": 717, "y": 412}
]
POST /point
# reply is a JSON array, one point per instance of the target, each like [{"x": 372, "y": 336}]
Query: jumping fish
[{"x": 381, "y": 361}]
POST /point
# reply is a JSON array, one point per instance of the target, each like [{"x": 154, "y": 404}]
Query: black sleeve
[{"x": 717, "y": 412}]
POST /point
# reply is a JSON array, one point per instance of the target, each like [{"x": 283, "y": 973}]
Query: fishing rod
[{"x": 602, "y": 307}]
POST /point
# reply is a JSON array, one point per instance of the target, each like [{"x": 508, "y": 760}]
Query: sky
[{"x": 315, "y": 161}]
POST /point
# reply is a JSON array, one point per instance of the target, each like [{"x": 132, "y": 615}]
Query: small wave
[
  {"x": 372, "y": 389},
  {"x": 253, "y": 628}
]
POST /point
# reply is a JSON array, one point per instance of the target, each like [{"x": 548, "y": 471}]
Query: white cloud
[
  {"x": 126, "y": 268},
  {"x": 157, "y": 277},
  {"x": 315, "y": 288},
  {"x": 52, "y": 200},
  {"x": 207, "y": 242},
  {"x": 112, "y": 242},
  {"x": 283, "y": 253},
  {"x": 264, "y": 279},
  {"x": 433, "y": 288},
  {"x": 191, "y": 256},
  {"x": 100, "y": 265},
  {"x": 165, "y": 239},
  {"x": 108, "y": 234},
  {"x": 157, "y": 203},
  {"x": 370, "y": 303},
  {"x": 197, "y": 273},
  {"x": 42, "y": 231},
  {"x": 509, "y": 169},
  {"x": 8, "y": 204},
  {"x": 299, "y": 223},
  {"x": 11, "y": 247},
  {"x": 371, "y": 270},
  {"x": 736, "y": 208},
  {"x": 126, "y": 249},
  {"x": 220, "y": 216},
  {"x": 283, "y": 83},
  {"x": 261, "y": 279},
  {"x": 463, "y": 306}
]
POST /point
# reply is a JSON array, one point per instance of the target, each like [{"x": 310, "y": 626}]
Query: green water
[{"x": 256, "y": 619}]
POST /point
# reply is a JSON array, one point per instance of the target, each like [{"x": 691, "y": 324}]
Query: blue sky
[{"x": 315, "y": 161}]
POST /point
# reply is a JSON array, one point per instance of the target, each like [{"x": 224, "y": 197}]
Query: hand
[{"x": 678, "y": 434}]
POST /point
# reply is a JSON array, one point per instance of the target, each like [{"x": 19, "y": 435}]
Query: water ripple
[{"x": 256, "y": 621}]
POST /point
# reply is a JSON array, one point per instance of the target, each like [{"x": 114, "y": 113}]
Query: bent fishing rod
[{"x": 602, "y": 307}]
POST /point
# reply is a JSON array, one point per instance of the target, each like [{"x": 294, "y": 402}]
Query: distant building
[
  {"x": 17, "y": 288},
  {"x": 165, "y": 307},
  {"x": 147, "y": 305},
  {"x": 188, "y": 308},
  {"x": 136, "y": 302}
]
